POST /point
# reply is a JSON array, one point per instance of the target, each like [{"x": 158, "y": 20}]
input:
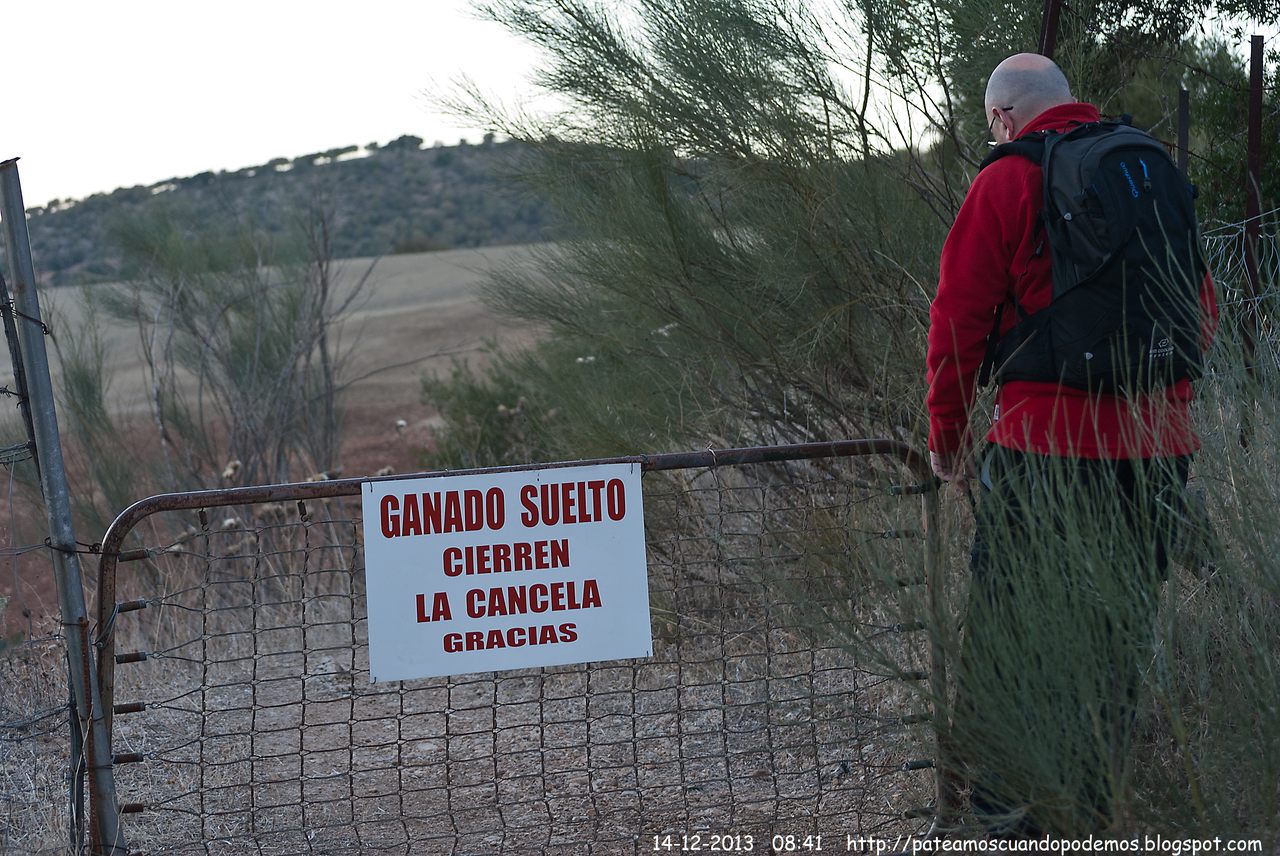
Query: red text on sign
[
  {"x": 503, "y": 558},
  {"x": 512, "y": 637},
  {"x": 440, "y": 610},
  {"x": 539, "y": 597},
  {"x": 572, "y": 502},
  {"x": 442, "y": 511}
]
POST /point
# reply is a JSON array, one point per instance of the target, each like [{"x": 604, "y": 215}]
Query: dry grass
[{"x": 34, "y": 746}]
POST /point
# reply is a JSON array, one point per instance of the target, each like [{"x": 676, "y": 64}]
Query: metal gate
[{"x": 788, "y": 696}]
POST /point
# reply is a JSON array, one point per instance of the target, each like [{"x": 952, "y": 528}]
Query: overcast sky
[{"x": 104, "y": 95}]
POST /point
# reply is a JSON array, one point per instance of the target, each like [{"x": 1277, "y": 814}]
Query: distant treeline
[{"x": 392, "y": 198}]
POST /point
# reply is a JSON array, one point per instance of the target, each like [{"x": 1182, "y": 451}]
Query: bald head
[{"x": 1030, "y": 84}]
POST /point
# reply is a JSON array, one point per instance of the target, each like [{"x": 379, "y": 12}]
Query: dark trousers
[{"x": 1068, "y": 560}]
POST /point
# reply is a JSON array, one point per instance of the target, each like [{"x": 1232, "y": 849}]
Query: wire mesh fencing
[
  {"x": 787, "y": 694},
  {"x": 38, "y": 796},
  {"x": 1225, "y": 252}
]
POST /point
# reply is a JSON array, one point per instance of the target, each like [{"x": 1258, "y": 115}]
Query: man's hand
[{"x": 955, "y": 467}]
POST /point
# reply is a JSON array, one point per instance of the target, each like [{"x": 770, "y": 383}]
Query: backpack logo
[
  {"x": 1162, "y": 350},
  {"x": 1133, "y": 188}
]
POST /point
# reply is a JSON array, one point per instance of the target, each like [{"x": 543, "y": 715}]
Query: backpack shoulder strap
[
  {"x": 1035, "y": 146},
  {"x": 1030, "y": 147}
]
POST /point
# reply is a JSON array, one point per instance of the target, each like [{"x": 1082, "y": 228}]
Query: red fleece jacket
[{"x": 994, "y": 250}]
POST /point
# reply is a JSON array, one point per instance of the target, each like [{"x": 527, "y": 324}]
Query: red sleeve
[{"x": 974, "y": 278}]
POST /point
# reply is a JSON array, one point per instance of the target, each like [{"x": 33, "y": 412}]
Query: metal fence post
[
  {"x": 53, "y": 482},
  {"x": 945, "y": 774},
  {"x": 1253, "y": 197},
  {"x": 1184, "y": 130},
  {"x": 1049, "y": 27}
]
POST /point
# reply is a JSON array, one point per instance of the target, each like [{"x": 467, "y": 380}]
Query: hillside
[{"x": 386, "y": 199}]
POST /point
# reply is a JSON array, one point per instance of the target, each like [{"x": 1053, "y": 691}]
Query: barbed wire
[
  {"x": 1239, "y": 225},
  {"x": 13, "y": 308},
  {"x": 26, "y": 725}
]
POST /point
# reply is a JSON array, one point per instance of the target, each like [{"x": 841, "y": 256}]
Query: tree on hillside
[
  {"x": 406, "y": 142},
  {"x": 332, "y": 155}
]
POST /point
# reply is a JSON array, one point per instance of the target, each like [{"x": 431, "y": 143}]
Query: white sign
[{"x": 505, "y": 571}]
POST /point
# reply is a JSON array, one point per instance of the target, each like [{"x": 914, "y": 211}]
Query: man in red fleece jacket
[{"x": 1073, "y": 527}]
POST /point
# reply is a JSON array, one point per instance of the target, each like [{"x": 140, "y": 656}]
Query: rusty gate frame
[{"x": 908, "y": 456}]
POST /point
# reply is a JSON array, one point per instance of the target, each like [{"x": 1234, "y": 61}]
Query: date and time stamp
[
  {"x": 714, "y": 842},
  {"x": 742, "y": 843}
]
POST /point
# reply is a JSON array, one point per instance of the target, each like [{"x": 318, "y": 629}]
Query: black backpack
[{"x": 1120, "y": 223}]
